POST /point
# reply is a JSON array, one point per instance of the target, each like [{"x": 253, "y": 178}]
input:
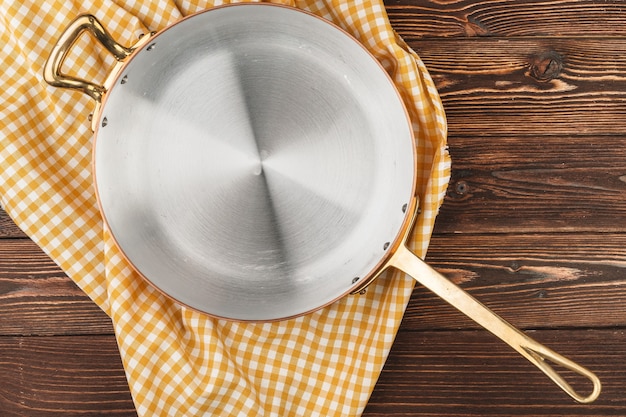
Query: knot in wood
[
  {"x": 473, "y": 27},
  {"x": 461, "y": 188},
  {"x": 546, "y": 66}
]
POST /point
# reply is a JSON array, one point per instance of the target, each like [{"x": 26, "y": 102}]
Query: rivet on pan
[
  {"x": 151, "y": 47},
  {"x": 355, "y": 279},
  {"x": 124, "y": 80},
  {"x": 386, "y": 245},
  {"x": 90, "y": 117},
  {"x": 105, "y": 122},
  {"x": 404, "y": 207}
]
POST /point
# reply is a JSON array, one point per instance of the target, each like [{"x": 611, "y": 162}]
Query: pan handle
[
  {"x": 52, "y": 69},
  {"x": 535, "y": 352}
]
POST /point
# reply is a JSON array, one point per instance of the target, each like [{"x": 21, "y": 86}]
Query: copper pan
[{"x": 254, "y": 162}]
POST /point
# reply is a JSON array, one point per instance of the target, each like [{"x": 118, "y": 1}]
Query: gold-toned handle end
[{"x": 540, "y": 356}]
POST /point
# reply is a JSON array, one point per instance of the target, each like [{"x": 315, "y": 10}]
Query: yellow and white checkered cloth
[{"x": 179, "y": 362}]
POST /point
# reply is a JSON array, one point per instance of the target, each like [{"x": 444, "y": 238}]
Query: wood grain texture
[
  {"x": 536, "y": 184},
  {"x": 8, "y": 229},
  {"x": 529, "y": 87},
  {"x": 508, "y": 18},
  {"x": 471, "y": 373},
  {"x": 37, "y": 298},
  {"x": 533, "y": 280},
  {"x": 428, "y": 373},
  {"x": 62, "y": 376}
]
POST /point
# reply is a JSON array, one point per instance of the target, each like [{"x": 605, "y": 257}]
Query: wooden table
[{"x": 534, "y": 225}]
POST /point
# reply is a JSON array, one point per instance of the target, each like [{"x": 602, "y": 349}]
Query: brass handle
[
  {"x": 52, "y": 69},
  {"x": 536, "y": 353}
]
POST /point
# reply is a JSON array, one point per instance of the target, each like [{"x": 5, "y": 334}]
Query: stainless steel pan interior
[
  {"x": 255, "y": 162},
  {"x": 246, "y": 171}
]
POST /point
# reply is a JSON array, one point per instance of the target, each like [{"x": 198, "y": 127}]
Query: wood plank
[
  {"x": 533, "y": 281},
  {"x": 528, "y": 87},
  {"x": 507, "y": 18},
  {"x": 37, "y": 297},
  {"x": 443, "y": 373},
  {"x": 68, "y": 376},
  {"x": 536, "y": 184},
  {"x": 8, "y": 229},
  {"x": 471, "y": 373}
]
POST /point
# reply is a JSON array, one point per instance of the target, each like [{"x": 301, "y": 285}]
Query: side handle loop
[{"x": 52, "y": 69}]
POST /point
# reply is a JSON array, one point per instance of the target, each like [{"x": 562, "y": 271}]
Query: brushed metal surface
[{"x": 254, "y": 160}]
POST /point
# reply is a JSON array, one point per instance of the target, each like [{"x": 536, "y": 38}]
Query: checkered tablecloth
[{"x": 179, "y": 362}]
